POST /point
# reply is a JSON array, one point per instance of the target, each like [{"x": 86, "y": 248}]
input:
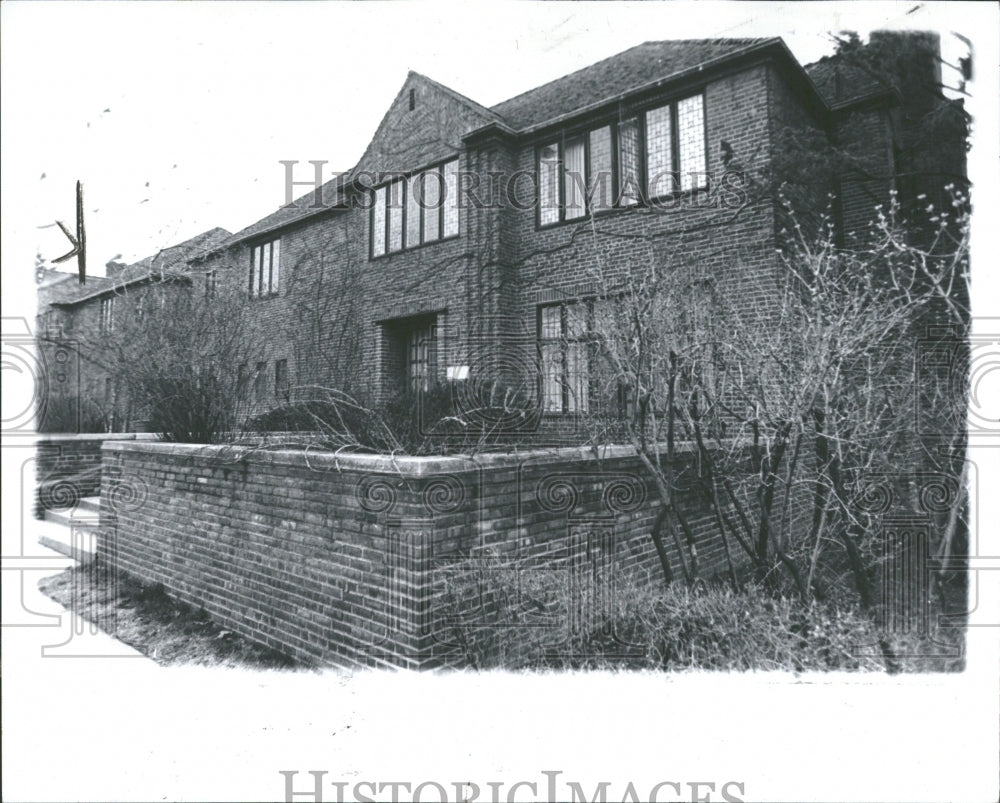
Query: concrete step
[
  {"x": 77, "y": 540},
  {"x": 86, "y": 511},
  {"x": 89, "y": 504},
  {"x": 71, "y": 518}
]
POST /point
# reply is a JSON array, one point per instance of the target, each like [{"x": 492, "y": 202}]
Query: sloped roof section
[
  {"x": 331, "y": 194},
  {"x": 625, "y": 71},
  {"x": 842, "y": 80},
  {"x": 173, "y": 259},
  {"x": 328, "y": 196}
]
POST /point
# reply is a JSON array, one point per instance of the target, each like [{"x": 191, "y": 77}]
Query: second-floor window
[
  {"x": 210, "y": 284},
  {"x": 642, "y": 157},
  {"x": 265, "y": 269},
  {"x": 108, "y": 315},
  {"x": 415, "y": 210}
]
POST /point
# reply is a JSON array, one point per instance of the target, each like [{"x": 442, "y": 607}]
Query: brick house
[
  {"x": 76, "y": 323},
  {"x": 674, "y": 146}
]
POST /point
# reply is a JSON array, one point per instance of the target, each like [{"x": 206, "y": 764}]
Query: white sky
[{"x": 175, "y": 116}]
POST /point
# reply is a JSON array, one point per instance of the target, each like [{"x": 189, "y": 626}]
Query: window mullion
[{"x": 675, "y": 147}]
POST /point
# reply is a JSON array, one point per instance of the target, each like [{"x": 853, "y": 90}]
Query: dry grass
[{"x": 144, "y": 617}]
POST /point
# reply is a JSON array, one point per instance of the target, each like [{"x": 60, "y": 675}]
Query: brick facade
[{"x": 340, "y": 317}]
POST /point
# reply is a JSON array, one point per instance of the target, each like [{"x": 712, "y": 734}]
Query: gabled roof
[
  {"x": 637, "y": 68},
  {"x": 173, "y": 259},
  {"x": 615, "y": 75},
  {"x": 331, "y": 194}
]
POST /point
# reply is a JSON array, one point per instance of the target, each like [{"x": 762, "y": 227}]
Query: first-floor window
[
  {"x": 260, "y": 381},
  {"x": 280, "y": 378},
  {"x": 564, "y": 353},
  {"x": 265, "y": 269}
]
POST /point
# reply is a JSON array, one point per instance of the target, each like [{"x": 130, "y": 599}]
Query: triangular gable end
[{"x": 424, "y": 124}]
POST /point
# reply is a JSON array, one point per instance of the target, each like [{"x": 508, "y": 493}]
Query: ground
[{"x": 145, "y": 618}]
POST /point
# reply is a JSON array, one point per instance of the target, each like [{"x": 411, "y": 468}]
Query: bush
[
  {"x": 517, "y": 619},
  {"x": 432, "y": 422}
]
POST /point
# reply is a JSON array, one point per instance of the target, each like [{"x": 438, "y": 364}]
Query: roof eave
[{"x": 758, "y": 51}]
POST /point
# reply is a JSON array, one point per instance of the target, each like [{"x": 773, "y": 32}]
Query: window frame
[
  {"x": 259, "y": 385},
  {"x": 281, "y": 382},
  {"x": 255, "y": 289},
  {"x": 107, "y": 315},
  {"x": 408, "y": 180},
  {"x": 582, "y": 405},
  {"x": 570, "y": 134}
]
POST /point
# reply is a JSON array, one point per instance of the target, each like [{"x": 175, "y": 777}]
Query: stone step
[
  {"x": 88, "y": 505},
  {"x": 77, "y": 540},
  {"x": 72, "y": 517}
]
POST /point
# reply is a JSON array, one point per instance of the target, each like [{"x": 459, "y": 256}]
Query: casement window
[
  {"x": 108, "y": 315},
  {"x": 564, "y": 350},
  {"x": 416, "y": 210},
  {"x": 260, "y": 382},
  {"x": 654, "y": 153},
  {"x": 265, "y": 269},
  {"x": 281, "y": 378}
]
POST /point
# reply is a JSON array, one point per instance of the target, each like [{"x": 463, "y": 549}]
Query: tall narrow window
[
  {"x": 260, "y": 381},
  {"x": 550, "y": 337},
  {"x": 565, "y": 363},
  {"x": 548, "y": 184},
  {"x": 275, "y": 265},
  {"x": 108, "y": 314},
  {"x": 691, "y": 142},
  {"x": 659, "y": 153},
  {"x": 432, "y": 206},
  {"x": 574, "y": 180},
  {"x": 421, "y": 357},
  {"x": 600, "y": 180},
  {"x": 281, "y": 378},
  {"x": 413, "y": 221},
  {"x": 209, "y": 285},
  {"x": 396, "y": 193},
  {"x": 241, "y": 381},
  {"x": 628, "y": 162},
  {"x": 450, "y": 206},
  {"x": 265, "y": 261},
  {"x": 378, "y": 222}
]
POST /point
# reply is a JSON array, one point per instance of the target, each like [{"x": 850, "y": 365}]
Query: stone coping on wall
[
  {"x": 82, "y": 437},
  {"x": 325, "y": 460}
]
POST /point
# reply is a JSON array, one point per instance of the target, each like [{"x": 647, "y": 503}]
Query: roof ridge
[{"x": 619, "y": 54}]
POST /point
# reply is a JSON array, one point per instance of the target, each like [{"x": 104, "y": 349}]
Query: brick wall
[
  {"x": 331, "y": 560},
  {"x": 68, "y": 467}
]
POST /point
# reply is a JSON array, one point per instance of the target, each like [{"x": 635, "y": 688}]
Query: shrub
[
  {"x": 502, "y": 617},
  {"x": 434, "y": 421}
]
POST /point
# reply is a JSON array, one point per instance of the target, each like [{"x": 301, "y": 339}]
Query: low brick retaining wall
[
  {"x": 68, "y": 467},
  {"x": 331, "y": 559}
]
